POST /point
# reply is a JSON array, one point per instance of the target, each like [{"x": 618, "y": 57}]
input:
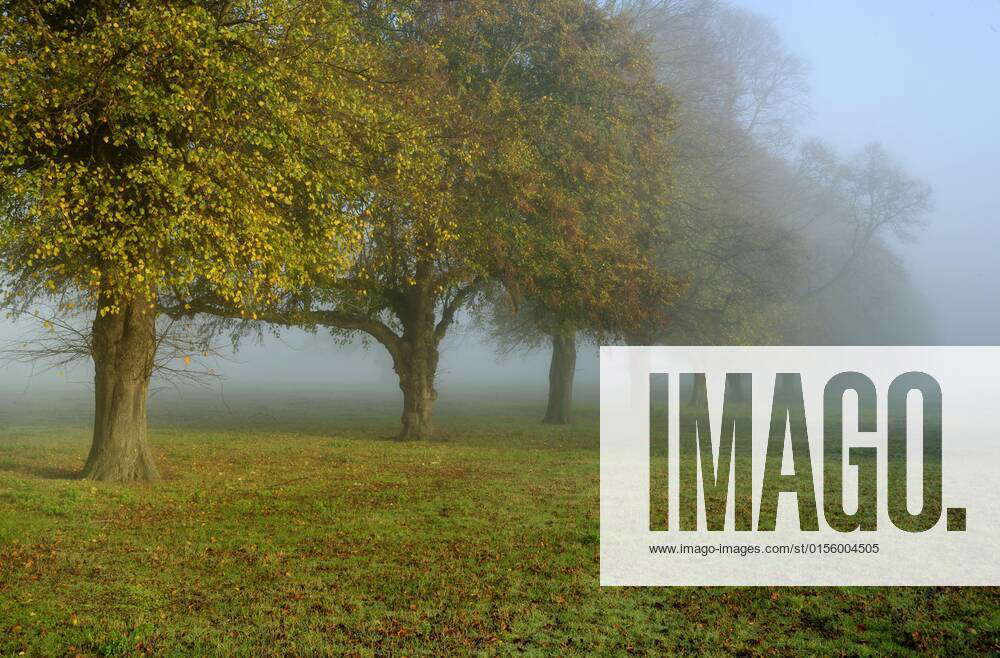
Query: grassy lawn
[{"x": 294, "y": 526}]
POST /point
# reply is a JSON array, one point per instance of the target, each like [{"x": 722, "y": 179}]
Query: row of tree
[
  {"x": 562, "y": 168},
  {"x": 779, "y": 240}
]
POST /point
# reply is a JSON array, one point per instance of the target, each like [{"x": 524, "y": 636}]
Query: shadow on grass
[{"x": 45, "y": 472}]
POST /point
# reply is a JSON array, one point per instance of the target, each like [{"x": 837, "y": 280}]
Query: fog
[{"x": 922, "y": 78}]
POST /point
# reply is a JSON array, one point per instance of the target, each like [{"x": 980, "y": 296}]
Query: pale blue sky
[{"x": 924, "y": 78}]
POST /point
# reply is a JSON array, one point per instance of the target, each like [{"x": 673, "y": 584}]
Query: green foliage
[
  {"x": 601, "y": 183},
  {"x": 534, "y": 119},
  {"x": 156, "y": 145}
]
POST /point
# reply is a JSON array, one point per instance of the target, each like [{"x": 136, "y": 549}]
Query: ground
[{"x": 289, "y": 524}]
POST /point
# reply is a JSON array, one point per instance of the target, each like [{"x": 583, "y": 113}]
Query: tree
[
  {"x": 737, "y": 94},
  {"x": 622, "y": 228},
  {"x": 149, "y": 148},
  {"x": 529, "y": 111},
  {"x": 634, "y": 298},
  {"x": 762, "y": 233},
  {"x": 740, "y": 93},
  {"x": 854, "y": 289},
  {"x": 865, "y": 197}
]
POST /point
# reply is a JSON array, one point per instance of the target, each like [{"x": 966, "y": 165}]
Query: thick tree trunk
[
  {"x": 415, "y": 360},
  {"x": 124, "y": 348},
  {"x": 418, "y": 407},
  {"x": 561, "y": 371}
]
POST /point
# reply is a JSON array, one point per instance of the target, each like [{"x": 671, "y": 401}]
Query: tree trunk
[
  {"x": 561, "y": 371},
  {"x": 415, "y": 361},
  {"x": 124, "y": 348},
  {"x": 418, "y": 406}
]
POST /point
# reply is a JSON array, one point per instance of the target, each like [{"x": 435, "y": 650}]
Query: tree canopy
[{"x": 156, "y": 145}]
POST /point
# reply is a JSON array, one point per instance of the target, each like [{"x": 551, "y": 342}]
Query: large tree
[
  {"x": 608, "y": 285},
  {"x": 153, "y": 147},
  {"x": 535, "y": 115}
]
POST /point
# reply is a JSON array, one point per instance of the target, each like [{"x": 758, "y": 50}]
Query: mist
[{"x": 920, "y": 77}]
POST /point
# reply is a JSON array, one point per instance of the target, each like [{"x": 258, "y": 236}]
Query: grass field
[{"x": 292, "y": 526}]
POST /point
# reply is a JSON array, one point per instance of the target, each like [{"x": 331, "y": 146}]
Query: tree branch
[
  {"x": 452, "y": 307},
  {"x": 327, "y": 318}
]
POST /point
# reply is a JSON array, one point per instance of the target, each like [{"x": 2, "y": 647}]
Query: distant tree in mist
[
  {"x": 866, "y": 198},
  {"x": 764, "y": 227},
  {"x": 855, "y": 289},
  {"x": 740, "y": 96}
]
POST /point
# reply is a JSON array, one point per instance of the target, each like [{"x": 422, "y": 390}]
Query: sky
[{"x": 921, "y": 77}]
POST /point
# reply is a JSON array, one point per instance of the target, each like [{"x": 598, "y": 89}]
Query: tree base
[
  {"x": 414, "y": 434},
  {"x": 142, "y": 469}
]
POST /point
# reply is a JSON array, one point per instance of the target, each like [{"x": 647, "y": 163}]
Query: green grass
[{"x": 293, "y": 526}]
